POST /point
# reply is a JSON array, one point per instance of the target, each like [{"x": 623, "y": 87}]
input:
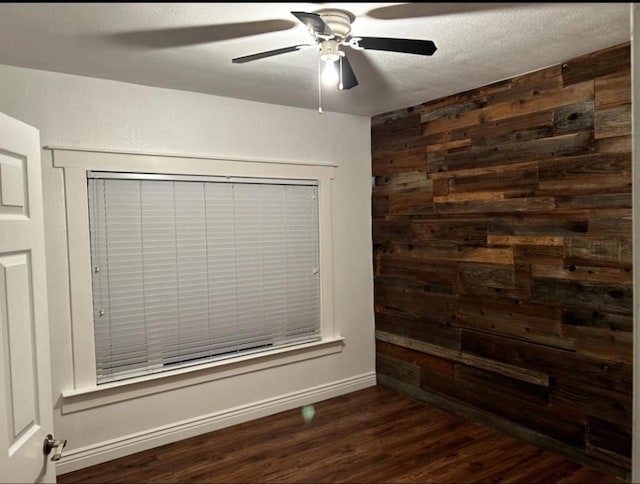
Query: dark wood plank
[
  {"x": 597, "y": 319},
  {"x": 613, "y": 122},
  {"x": 553, "y": 361},
  {"x": 597, "y": 64},
  {"x": 414, "y": 300},
  {"x": 426, "y": 329},
  {"x": 500, "y": 383},
  {"x": 459, "y": 231},
  {"x": 558, "y": 225},
  {"x": 414, "y": 357},
  {"x": 379, "y": 206},
  {"x": 534, "y": 78},
  {"x": 396, "y": 129},
  {"x": 391, "y": 116},
  {"x": 451, "y": 110},
  {"x": 549, "y": 147},
  {"x": 594, "y": 401},
  {"x": 609, "y": 436},
  {"x": 399, "y": 161},
  {"x": 511, "y": 371},
  {"x": 507, "y": 178},
  {"x": 537, "y": 323},
  {"x": 525, "y": 126},
  {"x": 577, "y": 168},
  {"x": 511, "y": 205},
  {"x": 486, "y": 275},
  {"x": 529, "y": 240},
  {"x": 570, "y": 95},
  {"x": 573, "y": 118},
  {"x": 434, "y": 273},
  {"x": 389, "y": 228},
  {"x": 583, "y": 273},
  {"x": 373, "y": 435},
  {"x": 412, "y": 203},
  {"x": 537, "y": 83},
  {"x": 598, "y": 200},
  {"x": 540, "y": 254},
  {"x": 479, "y": 93},
  {"x": 612, "y": 223},
  {"x": 410, "y": 181},
  {"x": 399, "y": 369},
  {"x": 615, "y": 298},
  {"x": 608, "y": 251},
  {"x": 619, "y": 144},
  {"x": 613, "y": 90},
  {"x": 606, "y": 344},
  {"x": 447, "y": 252}
]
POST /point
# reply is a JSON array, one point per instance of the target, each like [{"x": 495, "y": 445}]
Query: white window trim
[
  {"x": 108, "y": 393},
  {"x": 77, "y": 162}
]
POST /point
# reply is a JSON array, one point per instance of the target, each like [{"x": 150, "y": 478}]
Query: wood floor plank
[{"x": 373, "y": 435}]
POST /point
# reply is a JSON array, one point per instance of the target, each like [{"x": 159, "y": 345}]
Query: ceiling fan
[{"x": 331, "y": 31}]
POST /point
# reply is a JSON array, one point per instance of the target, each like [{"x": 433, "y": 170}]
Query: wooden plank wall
[{"x": 502, "y": 255}]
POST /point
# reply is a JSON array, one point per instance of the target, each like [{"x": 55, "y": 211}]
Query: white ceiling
[{"x": 478, "y": 43}]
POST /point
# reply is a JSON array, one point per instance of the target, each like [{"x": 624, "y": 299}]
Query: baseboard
[{"x": 129, "y": 444}]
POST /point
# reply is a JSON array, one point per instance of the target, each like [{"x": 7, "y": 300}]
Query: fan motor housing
[{"x": 339, "y": 21}]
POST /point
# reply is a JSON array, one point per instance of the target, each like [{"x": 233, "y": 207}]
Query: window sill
[{"x": 85, "y": 398}]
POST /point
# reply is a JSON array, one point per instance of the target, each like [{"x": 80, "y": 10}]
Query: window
[
  {"x": 78, "y": 168},
  {"x": 191, "y": 269}
]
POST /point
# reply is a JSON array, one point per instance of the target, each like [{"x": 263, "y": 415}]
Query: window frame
[{"x": 76, "y": 163}]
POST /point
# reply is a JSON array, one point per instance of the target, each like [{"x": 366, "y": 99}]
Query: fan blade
[
  {"x": 269, "y": 53},
  {"x": 348, "y": 76},
  {"x": 314, "y": 23},
  {"x": 408, "y": 46}
]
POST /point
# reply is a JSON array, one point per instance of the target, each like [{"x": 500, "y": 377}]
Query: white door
[{"x": 26, "y": 413}]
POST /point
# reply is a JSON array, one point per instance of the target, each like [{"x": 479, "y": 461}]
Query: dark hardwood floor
[{"x": 373, "y": 435}]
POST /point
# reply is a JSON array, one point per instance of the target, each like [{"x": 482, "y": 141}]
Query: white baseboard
[{"x": 129, "y": 444}]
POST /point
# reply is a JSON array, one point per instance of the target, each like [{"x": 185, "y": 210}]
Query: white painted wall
[{"x": 74, "y": 111}]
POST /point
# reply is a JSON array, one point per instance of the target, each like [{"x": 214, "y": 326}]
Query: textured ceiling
[{"x": 189, "y": 46}]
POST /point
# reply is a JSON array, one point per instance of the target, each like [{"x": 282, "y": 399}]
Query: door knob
[{"x": 50, "y": 444}]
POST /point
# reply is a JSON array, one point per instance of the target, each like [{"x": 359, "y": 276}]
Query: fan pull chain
[
  {"x": 340, "y": 85},
  {"x": 319, "y": 85}
]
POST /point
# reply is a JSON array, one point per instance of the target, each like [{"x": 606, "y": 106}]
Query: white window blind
[{"x": 187, "y": 271}]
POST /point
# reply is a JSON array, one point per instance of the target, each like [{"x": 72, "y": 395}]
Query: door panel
[
  {"x": 17, "y": 328},
  {"x": 26, "y": 414}
]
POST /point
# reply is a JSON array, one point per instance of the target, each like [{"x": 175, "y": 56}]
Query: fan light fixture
[
  {"x": 330, "y": 75},
  {"x": 329, "y": 54}
]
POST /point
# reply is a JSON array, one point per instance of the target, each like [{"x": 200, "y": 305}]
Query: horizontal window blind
[{"x": 186, "y": 272}]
